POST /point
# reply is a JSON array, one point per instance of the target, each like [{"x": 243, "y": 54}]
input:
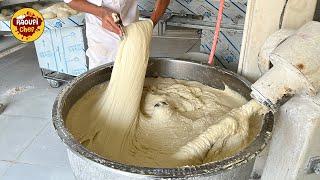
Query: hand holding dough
[{"x": 114, "y": 116}]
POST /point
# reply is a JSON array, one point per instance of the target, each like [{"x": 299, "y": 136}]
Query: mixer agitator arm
[{"x": 296, "y": 68}]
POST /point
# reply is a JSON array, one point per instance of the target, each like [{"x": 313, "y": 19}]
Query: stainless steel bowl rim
[{"x": 247, "y": 154}]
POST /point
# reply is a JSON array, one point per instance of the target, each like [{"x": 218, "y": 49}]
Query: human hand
[
  {"x": 108, "y": 22},
  {"x": 159, "y": 10},
  {"x": 154, "y": 20}
]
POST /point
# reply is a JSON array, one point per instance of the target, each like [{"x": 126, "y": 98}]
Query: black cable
[{"x": 282, "y": 14}]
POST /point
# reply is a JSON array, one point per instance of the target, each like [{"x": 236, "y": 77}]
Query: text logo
[{"x": 27, "y": 25}]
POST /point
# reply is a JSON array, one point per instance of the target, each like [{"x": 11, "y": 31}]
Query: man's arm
[
  {"x": 103, "y": 13},
  {"x": 159, "y": 10}
]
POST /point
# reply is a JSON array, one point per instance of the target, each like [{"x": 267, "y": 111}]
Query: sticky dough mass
[
  {"x": 58, "y": 10},
  {"x": 172, "y": 113},
  {"x": 159, "y": 122}
]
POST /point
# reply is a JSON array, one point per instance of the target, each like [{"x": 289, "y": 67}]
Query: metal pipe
[{"x": 216, "y": 32}]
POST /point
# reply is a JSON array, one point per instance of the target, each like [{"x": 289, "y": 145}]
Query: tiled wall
[{"x": 228, "y": 50}]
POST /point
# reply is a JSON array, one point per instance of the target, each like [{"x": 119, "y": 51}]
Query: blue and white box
[
  {"x": 62, "y": 50},
  {"x": 61, "y": 47}
]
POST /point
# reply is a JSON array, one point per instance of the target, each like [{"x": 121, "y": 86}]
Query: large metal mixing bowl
[{"x": 87, "y": 165}]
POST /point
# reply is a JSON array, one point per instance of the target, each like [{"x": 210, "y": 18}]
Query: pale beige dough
[
  {"x": 165, "y": 124},
  {"x": 62, "y": 13},
  {"x": 113, "y": 119},
  {"x": 49, "y": 15},
  {"x": 58, "y": 10},
  {"x": 70, "y": 10},
  {"x": 222, "y": 139},
  {"x": 6, "y": 12},
  {"x": 3, "y": 18},
  {"x": 37, "y": 6},
  {"x": 172, "y": 114}
]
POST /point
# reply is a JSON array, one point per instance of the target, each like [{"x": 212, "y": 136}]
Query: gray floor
[
  {"x": 9, "y": 42},
  {"x": 29, "y": 147}
]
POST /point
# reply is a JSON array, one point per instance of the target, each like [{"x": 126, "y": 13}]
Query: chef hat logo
[{"x": 21, "y": 17}]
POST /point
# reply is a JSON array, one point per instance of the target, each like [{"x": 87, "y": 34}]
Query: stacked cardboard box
[
  {"x": 62, "y": 50},
  {"x": 61, "y": 47}
]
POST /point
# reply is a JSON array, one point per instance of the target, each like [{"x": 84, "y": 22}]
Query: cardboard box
[
  {"x": 62, "y": 50},
  {"x": 61, "y": 47},
  {"x": 72, "y": 21}
]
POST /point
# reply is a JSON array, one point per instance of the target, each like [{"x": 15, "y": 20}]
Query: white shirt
[{"x": 103, "y": 44}]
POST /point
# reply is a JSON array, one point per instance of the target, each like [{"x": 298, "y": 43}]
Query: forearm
[
  {"x": 159, "y": 10},
  {"x": 85, "y": 6}
]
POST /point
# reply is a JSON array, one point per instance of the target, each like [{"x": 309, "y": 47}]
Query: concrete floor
[
  {"x": 9, "y": 42},
  {"x": 29, "y": 146}
]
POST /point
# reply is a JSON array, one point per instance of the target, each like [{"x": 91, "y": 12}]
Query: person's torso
[
  {"x": 128, "y": 10},
  {"x": 102, "y": 43}
]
